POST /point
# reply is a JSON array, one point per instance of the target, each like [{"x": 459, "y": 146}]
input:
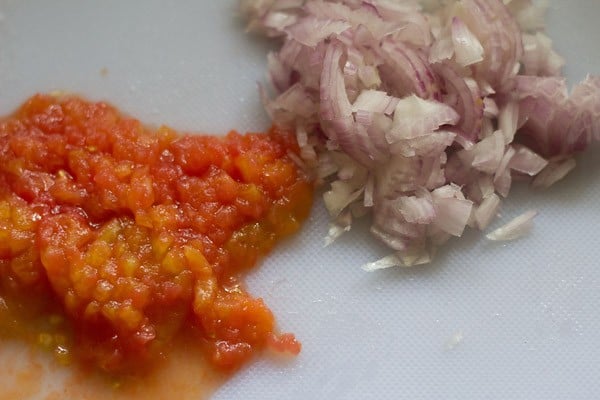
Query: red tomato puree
[{"x": 115, "y": 239}]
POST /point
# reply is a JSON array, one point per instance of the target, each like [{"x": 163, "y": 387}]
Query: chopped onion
[
  {"x": 418, "y": 210},
  {"x": 464, "y": 97},
  {"x": 490, "y": 108},
  {"x": 555, "y": 123},
  {"x": 487, "y": 154},
  {"x": 442, "y": 49},
  {"x": 553, "y": 172},
  {"x": 526, "y": 161},
  {"x": 539, "y": 58},
  {"x": 515, "y": 229},
  {"x": 421, "y": 113},
  {"x": 311, "y": 30},
  {"x": 386, "y": 262},
  {"x": 452, "y": 209},
  {"x": 341, "y": 195},
  {"x": 508, "y": 121},
  {"x": 342, "y": 224},
  {"x": 374, "y": 101},
  {"x": 530, "y": 16},
  {"x": 467, "y": 48},
  {"x": 416, "y": 255},
  {"x": 487, "y": 210},
  {"x": 415, "y": 117},
  {"x": 502, "y": 177}
]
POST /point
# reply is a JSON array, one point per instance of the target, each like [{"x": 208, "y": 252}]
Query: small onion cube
[{"x": 516, "y": 228}]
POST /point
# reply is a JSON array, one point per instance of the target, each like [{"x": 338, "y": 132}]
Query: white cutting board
[{"x": 485, "y": 320}]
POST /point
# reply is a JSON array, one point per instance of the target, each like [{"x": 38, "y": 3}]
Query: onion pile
[{"x": 422, "y": 114}]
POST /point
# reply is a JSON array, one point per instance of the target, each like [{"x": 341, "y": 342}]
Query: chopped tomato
[{"x": 125, "y": 236}]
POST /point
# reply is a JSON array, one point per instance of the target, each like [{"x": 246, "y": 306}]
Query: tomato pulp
[{"x": 115, "y": 238}]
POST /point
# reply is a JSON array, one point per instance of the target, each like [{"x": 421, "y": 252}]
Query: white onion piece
[
  {"x": 538, "y": 56},
  {"x": 341, "y": 195},
  {"x": 342, "y": 224},
  {"x": 490, "y": 108},
  {"x": 508, "y": 121},
  {"x": 406, "y": 258},
  {"x": 514, "y": 229},
  {"x": 452, "y": 210},
  {"x": 374, "y": 101},
  {"x": 467, "y": 49},
  {"x": 502, "y": 177},
  {"x": 276, "y": 21},
  {"x": 362, "y": 16},
  {"x": 487, "y": 154},
  {"x": 369, "y": 76},
  {"x": 414, "y": 256},
  {"x": 311, "y": 30},
  {"x": 391, "y": 227},
  {"x": 369, "y": 188},
  {"x": 424, "y": 145},
  {"x": 414, "y": 28},
  {"x": 326, "y": 166},
  {"x": 418, "y": 210},
  {"x": 442, "y": 49},
  {"x": 334, "y": 233},
  {"x": 486, "y": 88},
  {"x": 294, "y": 102},
  {"x": 377, "y": 130},
  {"x": 386, "y": 262},
  {"x": 526, "y": 161},
  {"x": 452, "y": 214},
  {"x": 415, "y": 117},
  {"x": 486, "y": 185},
  {"x": 554, "y": 172},
  {"x": 487, "y": 211},
  {"x": 268, "y": 16},
  {"x": 530, "y": 16}
]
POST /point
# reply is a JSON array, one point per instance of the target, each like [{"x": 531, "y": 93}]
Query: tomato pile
[{"x": 115, "y": 238}]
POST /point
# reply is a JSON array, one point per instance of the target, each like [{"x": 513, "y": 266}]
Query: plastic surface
[{"x": 485, "y": 320}]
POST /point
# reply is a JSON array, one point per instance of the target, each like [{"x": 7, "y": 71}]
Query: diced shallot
[
  {"x": 421, "y": 113},
  {"x": 516, "y": 228}
]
